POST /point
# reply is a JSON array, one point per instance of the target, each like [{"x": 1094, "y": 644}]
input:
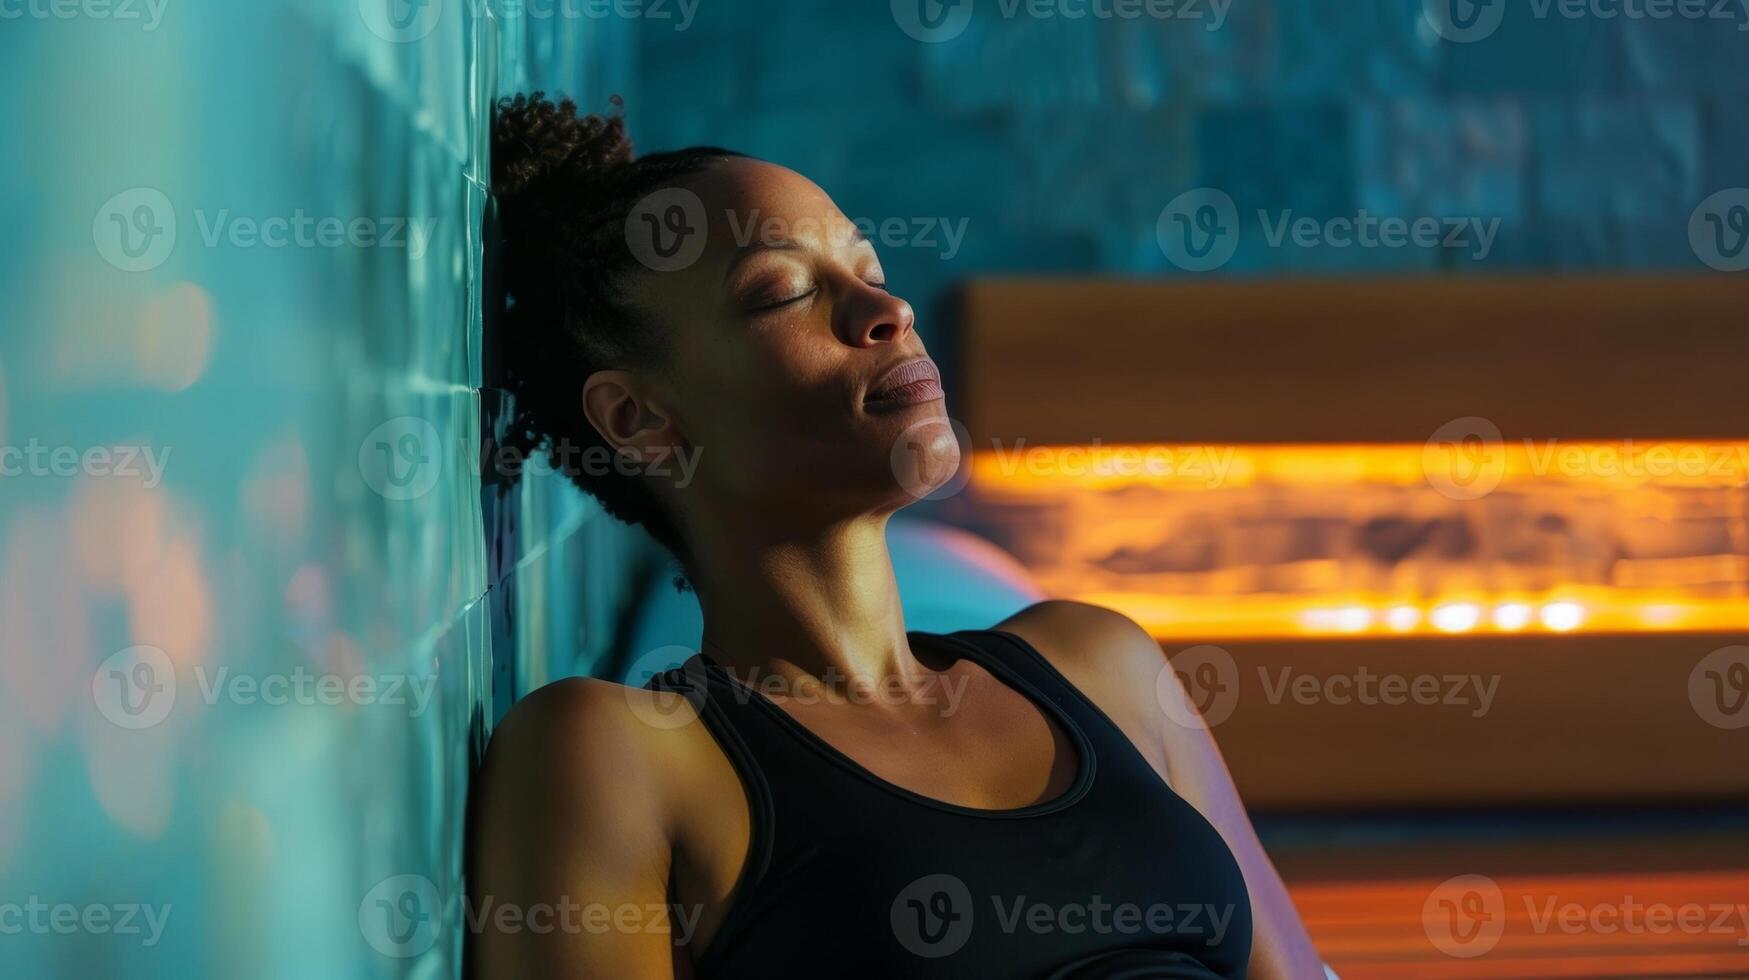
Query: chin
[{"x": 925, "y": 450}]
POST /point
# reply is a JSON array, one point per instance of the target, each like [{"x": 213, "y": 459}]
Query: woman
[{"x": 819, "y": 792}]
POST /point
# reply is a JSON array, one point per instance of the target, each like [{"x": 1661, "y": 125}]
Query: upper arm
[{"x": 569, "y": 846}]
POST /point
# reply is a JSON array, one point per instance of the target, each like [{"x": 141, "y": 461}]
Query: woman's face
[{"x": 785, "y": 341}]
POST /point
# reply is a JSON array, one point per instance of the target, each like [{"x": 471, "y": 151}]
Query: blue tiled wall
[
  {"x": 315, "y": 532},
  {"x": 318, "y": 405},
  {"x": 1059, "y": 140}
]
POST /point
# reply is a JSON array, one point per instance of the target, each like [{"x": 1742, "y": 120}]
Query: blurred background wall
[{"x": 244, "y": 379}]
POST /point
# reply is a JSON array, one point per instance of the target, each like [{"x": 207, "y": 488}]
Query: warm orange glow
[
  {"x": 1378, "y": 928},
  {"x": 1484, "y": 537},
  {"x": 1629, "y": 463}
]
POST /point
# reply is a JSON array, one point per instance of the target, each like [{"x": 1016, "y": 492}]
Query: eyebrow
[{"x": 751, "y": 249}]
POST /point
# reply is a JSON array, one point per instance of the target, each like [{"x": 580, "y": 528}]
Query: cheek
[{"x": 761, "y": 402}]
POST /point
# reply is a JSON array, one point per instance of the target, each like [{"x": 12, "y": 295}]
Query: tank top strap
[{"x": 1014, "y": 655}]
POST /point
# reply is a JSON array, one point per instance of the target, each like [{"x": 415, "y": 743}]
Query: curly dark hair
[{"x": 565, "y": 184}]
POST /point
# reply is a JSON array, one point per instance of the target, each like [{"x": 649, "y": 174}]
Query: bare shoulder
[
  {"x": 551, "y": 724},
  {"x": 1081, "y": 637},
  {"x": 578, "y": 754},
  {"x": 1108, "y": 657}
]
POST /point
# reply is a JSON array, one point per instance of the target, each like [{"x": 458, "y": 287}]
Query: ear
[{"x": 620, "y": 408}]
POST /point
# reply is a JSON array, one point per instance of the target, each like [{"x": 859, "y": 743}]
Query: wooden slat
[
  {"x": 1072, "y": 361},
  {"x": 1572, "y": 718}
]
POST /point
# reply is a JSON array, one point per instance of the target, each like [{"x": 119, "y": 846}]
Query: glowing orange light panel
[{"x": 1472, "y": 535}]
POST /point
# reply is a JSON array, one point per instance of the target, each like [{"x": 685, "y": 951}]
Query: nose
[{"x": 869, "y": 316}]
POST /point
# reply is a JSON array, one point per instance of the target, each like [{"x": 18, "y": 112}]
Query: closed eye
[{"x": 765, "y": 307}]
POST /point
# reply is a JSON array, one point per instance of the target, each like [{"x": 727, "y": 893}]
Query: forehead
[{"x": 752, "y": 200}]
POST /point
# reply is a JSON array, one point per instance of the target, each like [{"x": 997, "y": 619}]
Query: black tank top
[{"x": 848, "y": 875}]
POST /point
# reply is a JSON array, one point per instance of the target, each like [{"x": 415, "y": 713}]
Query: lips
[{"x": 908, "y": 383}]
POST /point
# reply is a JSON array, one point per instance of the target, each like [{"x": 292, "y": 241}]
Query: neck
[{"x": 823, "y": 604}]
